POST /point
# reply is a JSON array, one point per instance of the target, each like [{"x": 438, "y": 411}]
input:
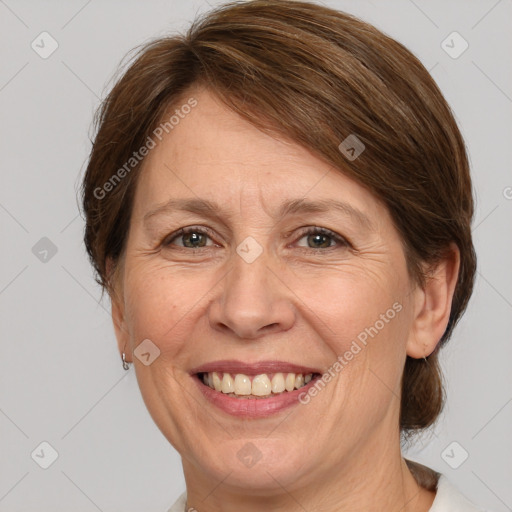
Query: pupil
[
  {"x": 320, "y": 240},
  {"x": 192, "y": 239}
]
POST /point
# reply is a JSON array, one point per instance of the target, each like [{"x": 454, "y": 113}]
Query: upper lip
[{"x": 234, "y": 366}]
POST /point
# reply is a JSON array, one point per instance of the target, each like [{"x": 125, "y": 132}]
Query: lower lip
[{"x": 252, "y": 407}]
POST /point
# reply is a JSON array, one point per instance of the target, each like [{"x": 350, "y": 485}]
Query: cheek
[
  {"x": 363, "y": 319},
  {"x": 160, "y": 303},
  {"x": 350, "y": 304}
]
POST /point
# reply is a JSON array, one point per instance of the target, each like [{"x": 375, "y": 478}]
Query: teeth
[
  {"x": 278, "y": 383},
  {"x": 261, "y": 385},
  {"x": 289, "y": 382},
  {"x": 242, "y": 384},
  {"x": 228, "y": 384},
  {"x": 217, "y": 383}
]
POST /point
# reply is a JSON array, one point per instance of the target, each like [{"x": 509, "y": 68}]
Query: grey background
[{"x": 61, "y": 379}]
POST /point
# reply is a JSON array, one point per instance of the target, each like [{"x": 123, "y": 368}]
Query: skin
[{"x": 296, "y": 302}]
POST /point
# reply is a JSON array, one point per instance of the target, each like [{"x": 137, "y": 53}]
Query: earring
[{"x": 125, "y": 363}]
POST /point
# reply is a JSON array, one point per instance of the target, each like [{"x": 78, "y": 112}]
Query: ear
[
  {"x": 117, "y": 302},
  {"x": 433, "y": 304}
]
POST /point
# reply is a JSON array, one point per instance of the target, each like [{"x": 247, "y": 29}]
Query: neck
[{"x": 376, "y": 478}]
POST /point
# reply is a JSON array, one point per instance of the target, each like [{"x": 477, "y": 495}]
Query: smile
[
  {"x": 257, "y": 386},
  {"x": 253, "y": 390}
]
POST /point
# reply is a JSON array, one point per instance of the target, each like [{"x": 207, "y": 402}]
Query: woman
[{"x": 279, "y": 206}]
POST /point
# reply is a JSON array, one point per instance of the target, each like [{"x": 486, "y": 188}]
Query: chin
[{"x": 257, "y": 465}]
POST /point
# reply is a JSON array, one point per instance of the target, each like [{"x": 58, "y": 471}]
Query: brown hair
[{"x": 315, "y": 76}]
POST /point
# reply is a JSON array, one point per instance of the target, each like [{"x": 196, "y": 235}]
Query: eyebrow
[
  {"x": 302, "y": 206},
  {"x": 214, "y": 211}
]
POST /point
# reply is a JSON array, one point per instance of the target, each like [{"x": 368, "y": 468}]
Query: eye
[
  {"x": 321, "y": 238},
  {"x": 190, "y": 237},
  {"x": 195, "y": 237}
]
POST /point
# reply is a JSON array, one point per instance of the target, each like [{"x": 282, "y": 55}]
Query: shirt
[{"x": 448, "y": 499}]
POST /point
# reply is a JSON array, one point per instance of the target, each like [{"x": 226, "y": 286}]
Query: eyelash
[{"x": 314, "y": 230}]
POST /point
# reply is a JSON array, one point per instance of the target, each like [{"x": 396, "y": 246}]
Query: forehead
[{"x": 214, "y": 154}]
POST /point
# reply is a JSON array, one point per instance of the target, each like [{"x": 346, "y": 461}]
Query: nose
[{"x": 252, "y": 301}]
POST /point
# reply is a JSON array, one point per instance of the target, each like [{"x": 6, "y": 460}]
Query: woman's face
[{"x": 254, "y": 288}]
